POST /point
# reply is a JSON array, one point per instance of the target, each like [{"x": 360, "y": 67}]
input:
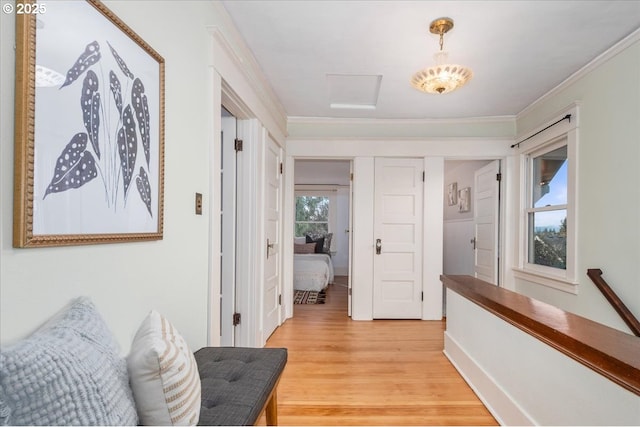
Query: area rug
[{"x": 309, "y": 297}]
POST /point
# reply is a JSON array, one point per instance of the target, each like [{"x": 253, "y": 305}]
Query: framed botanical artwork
[
  {"x": 89, "y": 129},
  {"x": 464, "y": 200},
  {"x": 452, "y": 194}
]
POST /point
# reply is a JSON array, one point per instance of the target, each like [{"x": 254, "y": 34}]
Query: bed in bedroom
[
  {"x": 312, "y": 272},
  {"x": 312, "y": 266}
]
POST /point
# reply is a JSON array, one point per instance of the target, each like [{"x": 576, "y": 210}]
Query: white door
[
  {"x": 486, "y": 211},
  {"x": 228, "y": 239},
  {"x": 272, "y": 264},
  {"x": 398, "y": 222}
]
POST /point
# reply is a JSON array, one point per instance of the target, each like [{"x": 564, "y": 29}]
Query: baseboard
[
  {"x": 341, "y": 271},
  {"x": 504, "y": 409}
]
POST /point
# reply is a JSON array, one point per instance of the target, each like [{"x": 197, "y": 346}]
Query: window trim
[{"x": 564, "y": 133}]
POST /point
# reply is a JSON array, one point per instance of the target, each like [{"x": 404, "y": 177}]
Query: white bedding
[{"x": 312, "y": 272}]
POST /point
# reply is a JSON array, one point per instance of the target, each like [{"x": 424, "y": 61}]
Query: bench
[
  {"x": 70, "y": 372},
  {"x": 239, "y": 384}
]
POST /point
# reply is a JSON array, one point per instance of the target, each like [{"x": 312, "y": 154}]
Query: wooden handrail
[
  {"x": 595, "y": 274},
  {"x": 608, "y": 351}
]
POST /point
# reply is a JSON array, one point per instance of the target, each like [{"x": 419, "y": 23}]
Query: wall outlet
[{"x": 198, "y": 203}]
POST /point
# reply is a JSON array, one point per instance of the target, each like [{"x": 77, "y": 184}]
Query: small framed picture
[
  {"x": 453, "y": 194},
  {"x": 464, "y": 202}
]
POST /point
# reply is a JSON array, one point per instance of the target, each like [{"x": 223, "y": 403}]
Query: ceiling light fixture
[{"x": 443, "y": 77}]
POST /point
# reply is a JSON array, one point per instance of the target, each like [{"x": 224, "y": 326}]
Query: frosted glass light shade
[{"x": 441, "y": 78}]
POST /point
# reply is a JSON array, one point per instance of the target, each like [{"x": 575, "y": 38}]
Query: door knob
[{"x": 378, "y": 246}]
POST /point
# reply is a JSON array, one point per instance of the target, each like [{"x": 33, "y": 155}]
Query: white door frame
[
  {"x": 288, "y": 228},
  {"x": 228, "y": 232}
]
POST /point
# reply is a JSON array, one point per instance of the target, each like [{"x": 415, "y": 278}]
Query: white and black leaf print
[
  {"x": 116, "y": 90},
  {"x": 90, "y": 103},
  {"x": 90, "y": 56},
  {"x": 121, "y": 63},
  {"x": 141, "y": 107},
  {"x": 144, "y": 188},
  {"x": 127, "y": 147},
  {"x": 75, "y": 166}
]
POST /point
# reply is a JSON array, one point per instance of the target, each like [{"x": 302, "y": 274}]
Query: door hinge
[
  {"x": 349, "y": 291},
  {"x": 280, "y": 299},
  {"x": 423, "y": 176},
  {"x": 421, "y": 296},
  {"x": 281, "y": 168},
  {"x": 351, "y": 176},
  {"x": 238, "y": 144},
  {"x": 498, "y": 176},
  {"x": 236, "y": 319}
]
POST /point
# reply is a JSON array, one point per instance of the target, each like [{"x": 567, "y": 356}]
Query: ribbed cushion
[
  {"x": 236, "y": 382},
  {"x": 164, "y": 374},
  {"x": 68, "y": 372}
]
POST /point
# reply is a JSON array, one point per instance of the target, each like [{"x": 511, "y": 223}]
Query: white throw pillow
[{"x": 163, "y": 374}]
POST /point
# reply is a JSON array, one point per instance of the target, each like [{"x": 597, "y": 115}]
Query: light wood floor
[{"x": 382, "y": 372}]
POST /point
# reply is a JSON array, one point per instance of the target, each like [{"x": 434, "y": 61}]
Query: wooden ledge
[{"x": 606, "y": 350}]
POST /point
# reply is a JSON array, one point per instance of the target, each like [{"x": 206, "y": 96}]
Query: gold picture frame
[{"x": 89, "y": 129}]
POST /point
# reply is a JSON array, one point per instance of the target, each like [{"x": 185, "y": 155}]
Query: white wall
[
  {"x": 524, "y": 381},
  {"x": 608, "y": 208},
  {"x": 127, "y": 280},
  {"x": 172, "y": 275}
]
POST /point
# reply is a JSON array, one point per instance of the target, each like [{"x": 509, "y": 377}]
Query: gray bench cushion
[{"x": 236, "y": 382}]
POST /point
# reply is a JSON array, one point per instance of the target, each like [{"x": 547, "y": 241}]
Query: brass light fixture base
[{"x": 441, "y": 25}]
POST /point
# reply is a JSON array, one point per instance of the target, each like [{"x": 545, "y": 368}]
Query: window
[
  {"x": 547, "y": 211},
  {"x": 548, "y": 232},
  {"x": 312, "y": 215}
]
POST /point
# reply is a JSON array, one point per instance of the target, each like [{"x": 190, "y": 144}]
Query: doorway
[
  {"x": 471, "y": 219},
  {"x": 325, "y": 184},
  {"x": 228, "y": 222}
]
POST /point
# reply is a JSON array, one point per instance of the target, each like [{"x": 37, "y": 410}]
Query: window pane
[
  {"x": 550, "y": 178},
  {"x": 312, "y": 208},
  {"x": 304, "y": 228},
  {"x": 548, "y": 238}
]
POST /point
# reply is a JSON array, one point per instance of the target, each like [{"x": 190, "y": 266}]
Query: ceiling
[{"x": 315, "y": 53}]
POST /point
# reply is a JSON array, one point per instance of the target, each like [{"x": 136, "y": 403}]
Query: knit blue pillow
[{"x": 68, "y": 372}]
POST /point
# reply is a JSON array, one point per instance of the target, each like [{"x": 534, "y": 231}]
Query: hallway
[{"x": 383, "y": 372}]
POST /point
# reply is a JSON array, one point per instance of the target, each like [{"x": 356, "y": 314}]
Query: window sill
[{"x": 558, "y": 283}]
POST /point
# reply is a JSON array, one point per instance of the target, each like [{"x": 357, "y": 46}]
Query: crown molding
[
  {"x": 369, "y": 121},
  {"x": 233, "y": 44},
  {"x": 614, "y": 50}
]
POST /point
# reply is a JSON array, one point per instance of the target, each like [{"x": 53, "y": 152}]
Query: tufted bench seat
[{"x": 238, "y": 384}]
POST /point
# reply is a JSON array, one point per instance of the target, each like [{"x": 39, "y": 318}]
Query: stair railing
[{"x": 595, "y": 274}]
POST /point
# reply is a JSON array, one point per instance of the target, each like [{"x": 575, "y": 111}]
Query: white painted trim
[
  {"x": 558, "y": 283},
  {"x": 565, "y": 132},
  {"x": 595, "y": 63},
  {"x": 362, "y": 262},
  {"x": 240, "y": 71},
  {"x": 433, "y": 238},
  {"x": 369, "y": 121},
  {"x": 213, "y": 303},
  {"x": 497, "y": 400}
]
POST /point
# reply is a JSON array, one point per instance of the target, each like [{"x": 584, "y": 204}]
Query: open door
[
  {"x": 273, "y": 212},
  {"x": 486, "y": 220},
  {"x": 228, "y": 220}
]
